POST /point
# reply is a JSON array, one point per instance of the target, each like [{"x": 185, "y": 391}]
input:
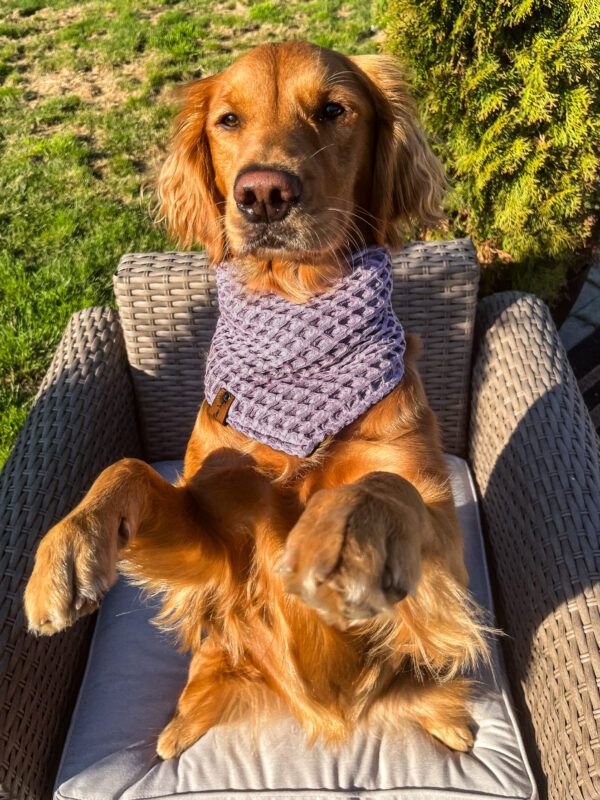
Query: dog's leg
[
  {"x": 373, "y": 556},
  {"x": 215, "y": 694},
  {"x": 440, "y": 708},
  {"x": 76, "y": 561}
]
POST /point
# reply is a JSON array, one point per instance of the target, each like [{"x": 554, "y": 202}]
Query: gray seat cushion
[{"x": 133, "y": 679}]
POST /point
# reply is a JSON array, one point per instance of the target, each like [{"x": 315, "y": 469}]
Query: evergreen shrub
[{"x": 510, "y": 93}]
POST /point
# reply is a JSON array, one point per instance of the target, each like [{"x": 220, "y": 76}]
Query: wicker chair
[{"x": 496, "y": 374}]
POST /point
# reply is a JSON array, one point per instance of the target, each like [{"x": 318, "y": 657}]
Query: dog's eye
[
  {"x": 331, "y": 111},
  {"x": 229, "y": 121}
]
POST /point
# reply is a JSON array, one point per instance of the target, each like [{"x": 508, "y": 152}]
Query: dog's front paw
[
  {"x": 74, "y": 566},
  {"x": 356, "y": 550}
]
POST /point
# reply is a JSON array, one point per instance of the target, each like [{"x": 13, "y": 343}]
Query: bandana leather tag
[
  {"x": 290, "y": 375},
  {"x": 221, "y": 405}
]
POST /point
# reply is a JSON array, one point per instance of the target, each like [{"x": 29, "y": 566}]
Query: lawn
[{"x": 86, "y": 103}]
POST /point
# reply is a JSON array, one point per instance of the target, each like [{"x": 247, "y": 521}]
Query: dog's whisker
[
  {"x": 221, "y": 234},
  {"x": 350, "y": 214},
  {"x": 356, "y": 209},
  {"x": 356, "y": 216},
  {"x": 320, "y": 150}
]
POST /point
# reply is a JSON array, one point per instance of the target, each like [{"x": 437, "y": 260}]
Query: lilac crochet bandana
[{"x": 289, "y": 375}]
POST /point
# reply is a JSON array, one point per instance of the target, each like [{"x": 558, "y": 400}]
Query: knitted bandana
[{"x": 289, "y": 375}]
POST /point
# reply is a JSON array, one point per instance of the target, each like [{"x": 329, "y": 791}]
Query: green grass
[{"x": 85, "y": 113}]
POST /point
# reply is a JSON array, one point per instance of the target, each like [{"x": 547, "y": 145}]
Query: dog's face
[
  {"x": 297, "y": 154},
  {"x": 290, "y": 133}
]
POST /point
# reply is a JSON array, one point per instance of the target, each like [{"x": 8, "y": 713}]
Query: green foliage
[{"x": 510, "y": 92}]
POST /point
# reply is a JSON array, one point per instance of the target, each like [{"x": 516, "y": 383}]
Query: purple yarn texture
[{"x": 302, "y": 372}]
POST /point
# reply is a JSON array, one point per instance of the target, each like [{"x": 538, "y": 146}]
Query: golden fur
[{"x": 334, "y": 583}]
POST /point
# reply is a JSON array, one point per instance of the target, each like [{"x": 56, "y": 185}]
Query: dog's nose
[{"x": 266, "y": 195}]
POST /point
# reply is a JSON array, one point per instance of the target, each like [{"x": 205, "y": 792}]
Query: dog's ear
[
  {"x": 408, "y": 180},
  {"x": 187, "y": 193}
]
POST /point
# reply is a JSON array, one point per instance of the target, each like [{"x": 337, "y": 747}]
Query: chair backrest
[{"x": 168, "y": 308}]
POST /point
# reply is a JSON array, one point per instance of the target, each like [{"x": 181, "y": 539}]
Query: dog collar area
[{"x": 291, "y": 375}]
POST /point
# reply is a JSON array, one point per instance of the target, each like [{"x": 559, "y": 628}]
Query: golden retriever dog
[{"x": 333, "y": 584}]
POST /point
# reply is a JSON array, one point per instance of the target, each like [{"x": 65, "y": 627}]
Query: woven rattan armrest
[
  {"x": 534, "y": 454},
  {"x": 82, "y": 419}
]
